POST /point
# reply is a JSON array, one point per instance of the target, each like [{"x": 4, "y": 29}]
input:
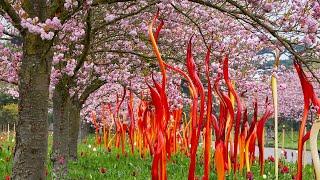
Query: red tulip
[
  {"x": 61, "y": 160},
  {"x": 284, "y": 170},
  {"x": 7, "y": 159},
  {"x": 271, "y": 158},
  {"x": 250, "y": 175},
  {"x": 103, "y": 170}
]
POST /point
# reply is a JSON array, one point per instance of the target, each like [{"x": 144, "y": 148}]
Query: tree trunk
[
  {"x": 61, "y": 105},
  {"x": 32, "y": 127},
  {"x": 74, "y": 120}
]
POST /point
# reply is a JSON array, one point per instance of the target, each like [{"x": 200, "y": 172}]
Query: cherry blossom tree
[
  {"x": 290, "y": 25},
  {"x": 36, "y": 24},
  {"x": 80, "y": 52}
]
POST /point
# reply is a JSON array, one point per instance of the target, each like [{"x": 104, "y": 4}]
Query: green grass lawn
[
  {"x": 290, "y": 141},
  {"x": 94, "y": 159}
]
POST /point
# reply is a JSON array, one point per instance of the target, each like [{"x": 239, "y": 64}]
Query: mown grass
[
  {"x": 290, "y": 140},
  {"x": 94, "y": 159}
]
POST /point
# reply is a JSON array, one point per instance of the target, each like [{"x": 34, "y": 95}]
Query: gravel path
[{"x": 292, "y": 155}]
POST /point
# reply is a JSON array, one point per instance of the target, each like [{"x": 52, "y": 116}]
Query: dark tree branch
[
  {"x": 283, "y": 41},
  {"x": 6, "y": 6},
  {"x": 11, "y": 35},
  {"x": 193, "y": 22},
  {"x": 287, "y": 44},
  {"x": 98, "y": 2},
  {"x": 86, "y": 43},
  {"x": 94, "y": 85},
  {"x": 9, "y": 82},
  {"x": 136, "y": 54},
  {"x": 122, "y": 17}
]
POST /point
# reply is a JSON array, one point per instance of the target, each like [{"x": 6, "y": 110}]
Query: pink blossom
[
  {"x": 133, "y": 33},
  {"x": 1, "y": 29},
  {"x": 57, "y": 58},
  {"x": 316, "y": 11},
  {"x": 69, "y": 4},
  {"x": 312, "y": 25},
  {"x": 267, "y": 7},
  {"x": 109, "y": 17},
  {"x": 54, "y": 24}
]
